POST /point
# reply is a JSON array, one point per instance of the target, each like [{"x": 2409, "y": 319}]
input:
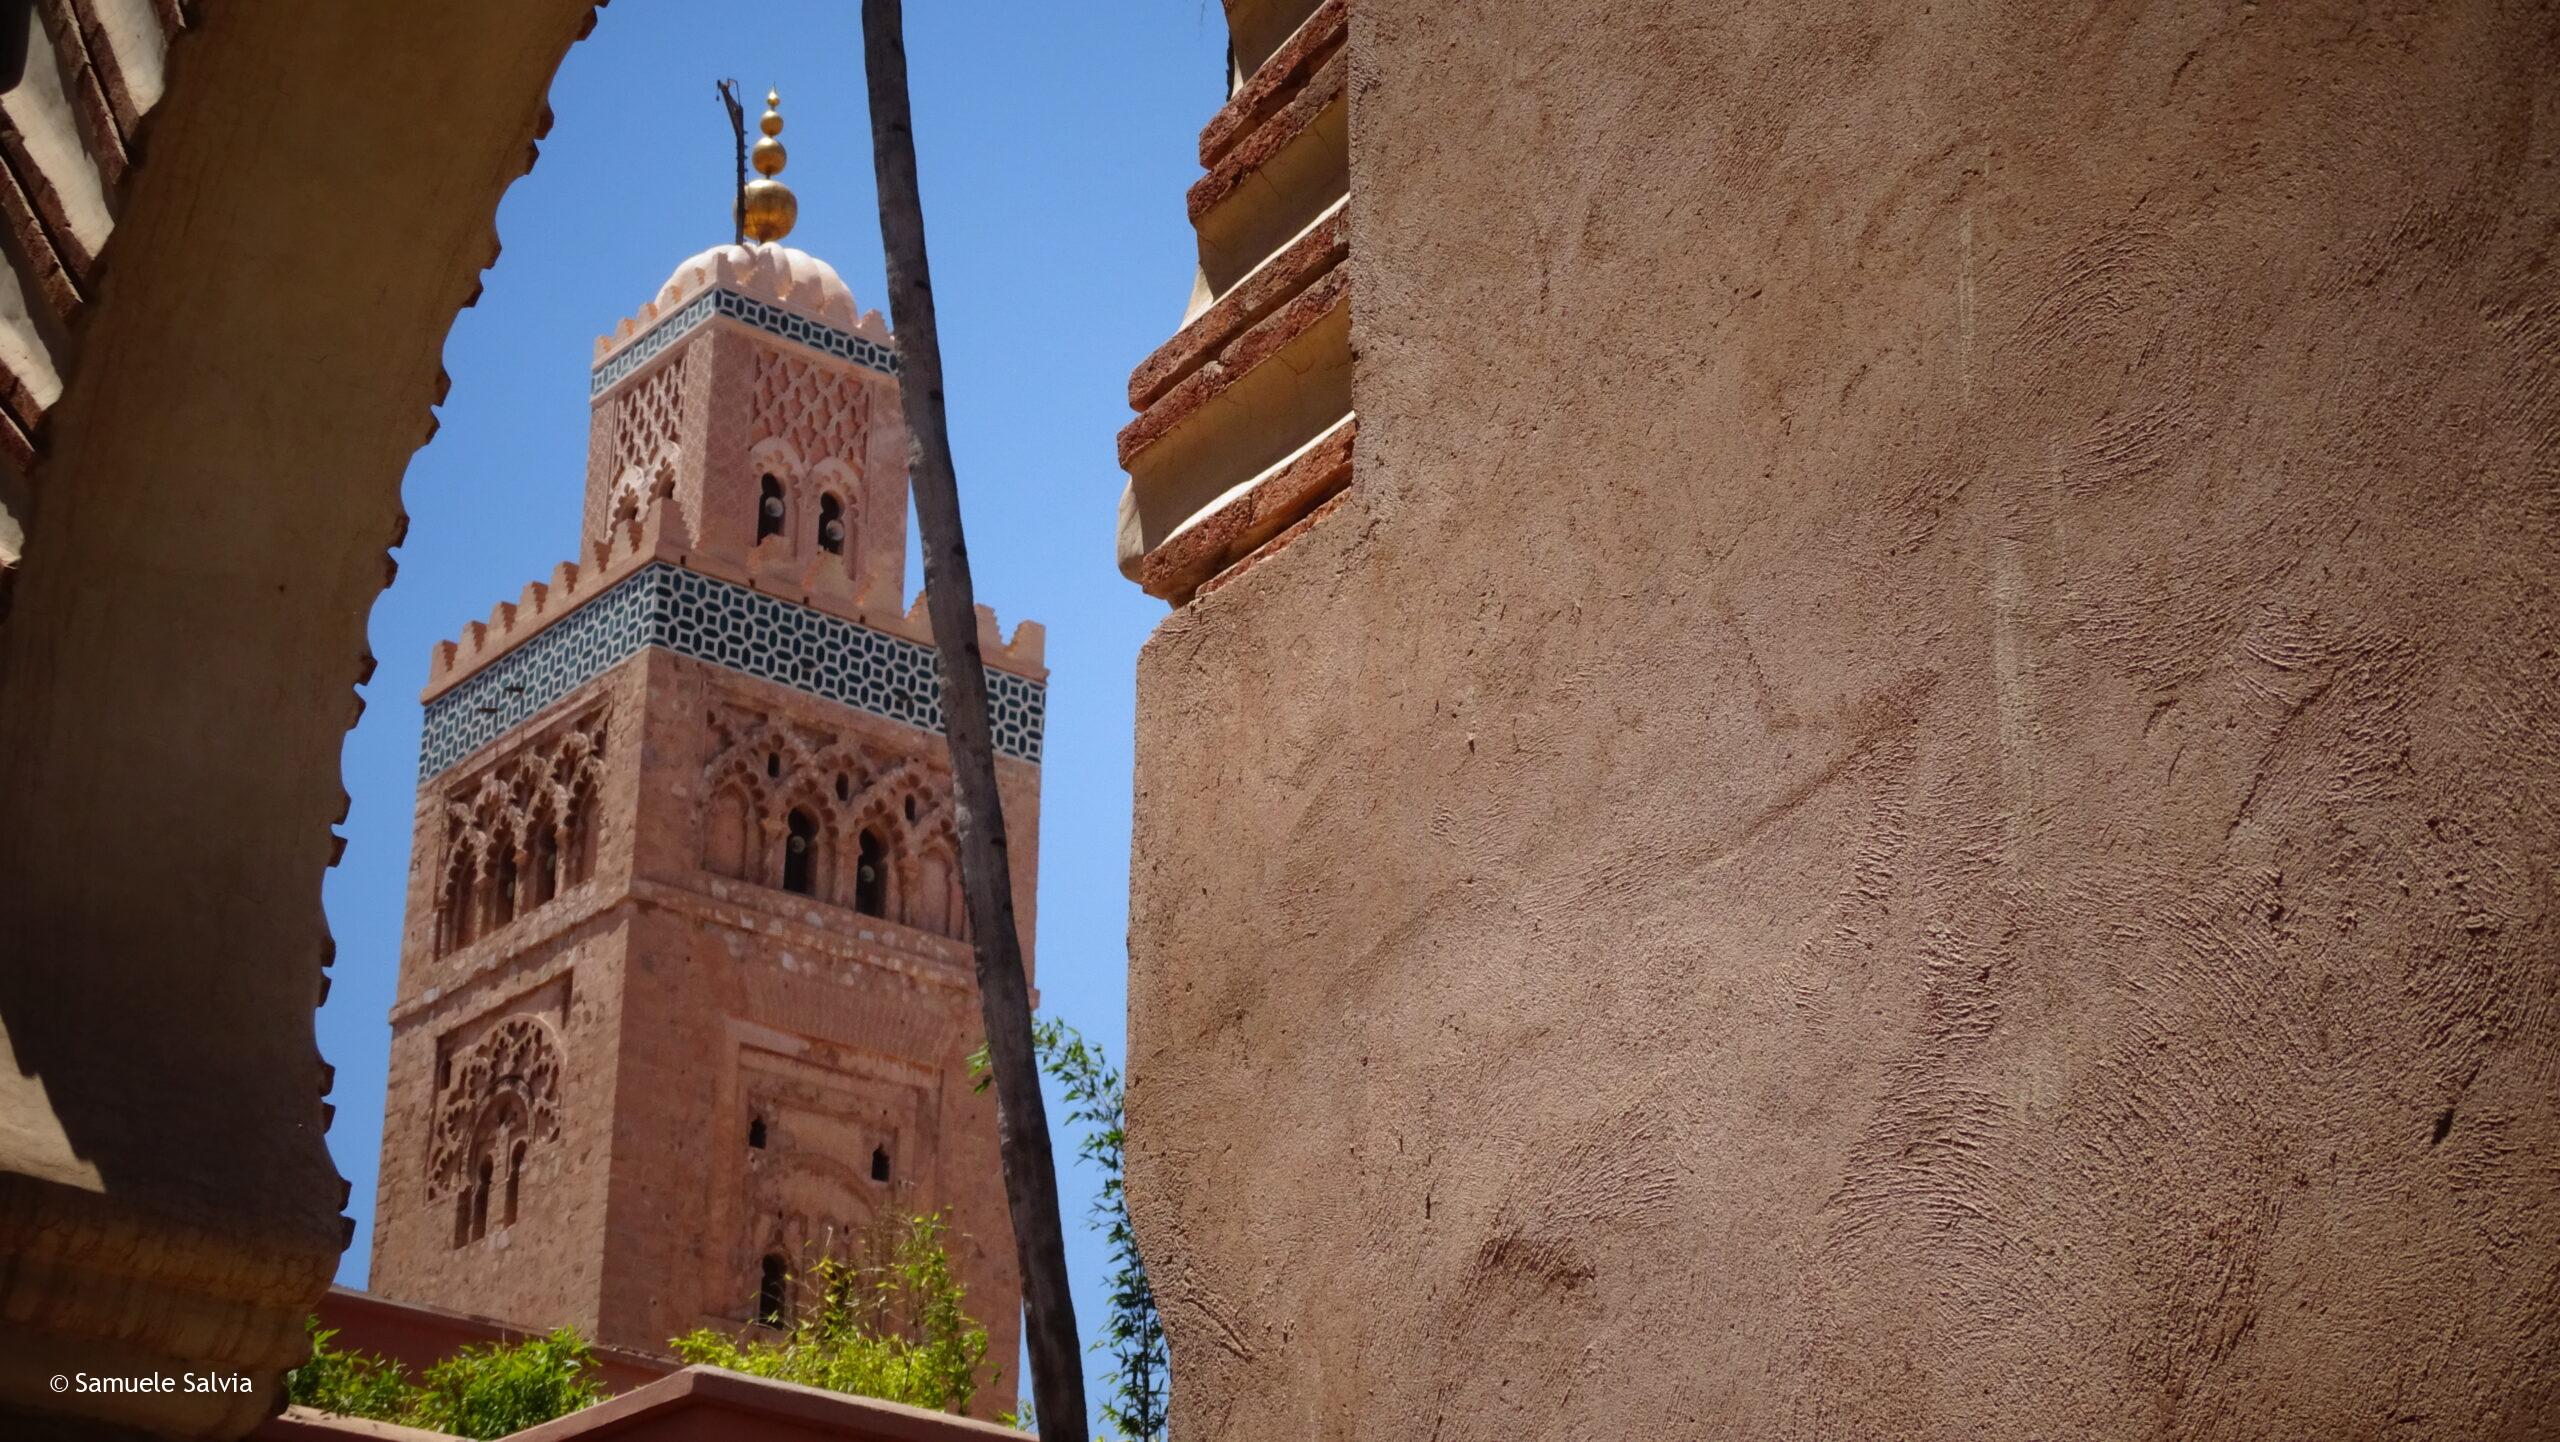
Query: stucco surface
[
  {"x": 256, "y": 363},
  {"x": 1915, "y": 793}
]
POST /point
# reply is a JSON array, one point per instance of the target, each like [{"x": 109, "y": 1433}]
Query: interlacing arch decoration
[
  {"x": 499, "y": 1104},
  {"x": 877, "y": 840},
  {"x": 521, "y": 834},
  {"x": 639, "y": 492},
  {"x": 821, "y": 413},
  {"x": 648, "y": 428}
]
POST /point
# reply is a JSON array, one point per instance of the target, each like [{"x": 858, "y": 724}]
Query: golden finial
[{"x": 771, "y": 207}]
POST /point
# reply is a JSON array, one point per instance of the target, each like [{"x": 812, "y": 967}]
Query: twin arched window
[
  {"x": 471, "y": 1219},
  {"x": 773, "y": 518}
]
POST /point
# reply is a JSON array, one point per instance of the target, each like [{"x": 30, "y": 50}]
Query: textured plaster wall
[
  {"x": 1916, "y": 794},
  {"x": 256, "y": 363}
]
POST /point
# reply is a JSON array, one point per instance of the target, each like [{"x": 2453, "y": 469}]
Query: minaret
[{"x": 684, "y": 992}]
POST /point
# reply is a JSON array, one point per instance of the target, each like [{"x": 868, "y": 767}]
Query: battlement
[
  {"x": 1026, "y": 652},
  {"x": 656, "y": 535},
  {"x": 660, "y": 534}
]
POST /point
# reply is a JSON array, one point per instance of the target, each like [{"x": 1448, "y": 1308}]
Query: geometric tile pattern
[
  {"x": 764, "y": 316},
  {"x": 727, "y": 625},
  {"x": 567, "y": 654}
]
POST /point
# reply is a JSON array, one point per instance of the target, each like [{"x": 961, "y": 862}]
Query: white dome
[{"x": 777, "y": 273}]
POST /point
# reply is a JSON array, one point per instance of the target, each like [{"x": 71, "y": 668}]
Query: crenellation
[{"x": 657, "y": 534}]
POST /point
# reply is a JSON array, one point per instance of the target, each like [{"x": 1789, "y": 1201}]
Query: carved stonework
[
  {"x": 822, "y": 414},
  {"x": 505, "y": 1090},
  {"x": 647, "y": 438},
  {"x": 761, "y": 774},
  {"x": 521, "y": 833}
]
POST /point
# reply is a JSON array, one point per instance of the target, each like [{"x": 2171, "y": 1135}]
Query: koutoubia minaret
[{"x": 685, "y": 993}]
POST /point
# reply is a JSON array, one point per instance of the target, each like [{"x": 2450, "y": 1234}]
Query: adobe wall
[
  {"x": 244, "y": 366},
  {"x": 1915, "y": 793}
]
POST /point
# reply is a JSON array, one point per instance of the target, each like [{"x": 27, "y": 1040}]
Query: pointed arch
[
  {"x": 837, "y": 488},
  {"x": 805, "y": 821},
  {"x": 773, "y": 510},
  {"x": 457, "y": 910},
  {"x": 542, "y": 875},
  {"x": 580, "y": 820},
  {"x": 729, "y": 830},
  {"x": 872, "y": 886},
  {"x": 504, "y": 1089}
]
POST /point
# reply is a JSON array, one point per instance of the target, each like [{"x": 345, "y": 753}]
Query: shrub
[
  {"x": 886, "y": 1324},
  {"x": 352, "y": 1384},
  {"x": 482, "y": 1392},
  {"x": 489, "y": 1391}
]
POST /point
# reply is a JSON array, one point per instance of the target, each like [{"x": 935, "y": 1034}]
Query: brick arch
[
  {"x": 255, "y": 367},
  {"x": 806, "y": 789}
]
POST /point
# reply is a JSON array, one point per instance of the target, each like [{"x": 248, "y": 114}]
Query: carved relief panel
[{"x": 496, "y": 1112}]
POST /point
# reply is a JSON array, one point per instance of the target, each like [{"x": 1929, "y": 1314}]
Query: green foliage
[
  {"x": 491, "y": 1390},
  {"x": 1131, "y": 1331},
  {"x": 352, "y": 1384},
  {"x": 481, "y": 1392},
  {"x": 887, "y": 1324}
]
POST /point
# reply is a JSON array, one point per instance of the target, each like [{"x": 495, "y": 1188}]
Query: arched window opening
[
  {"x": 770, "y": 510},
  {"x": 773, "y": 1294},
  {"x": 871, "y": 877},
  {"x": 800, "y": 854},
  {"x": 544, "y": 883},
  {"x": 831, "y": 530},
  {"x": 755, "y": 1133},
  {"x": 879, "y": 1164},
  {"x": 454, "y": 918},
  {"x": 582, "y": 836},
  {"x": 773, "y": 764},
  {"x": 844, "y": 787},
  {"x": 502, "y": 894},
  {"x": 515, "y": 1179},
  {"x": 911, "y": 808},
  {"x": 480, "y": 1199}
]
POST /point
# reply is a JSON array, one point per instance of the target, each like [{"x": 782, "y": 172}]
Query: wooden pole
[{"x": 986, "y": 868}]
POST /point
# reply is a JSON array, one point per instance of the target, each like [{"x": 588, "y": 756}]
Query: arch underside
[{"x": 253, "y": 359}]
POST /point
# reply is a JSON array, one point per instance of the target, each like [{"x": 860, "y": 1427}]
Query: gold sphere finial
[{"x": 770, "y": 205}]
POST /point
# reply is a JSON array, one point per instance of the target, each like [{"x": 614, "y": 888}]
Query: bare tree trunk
[{"x": 986, "y": 867}]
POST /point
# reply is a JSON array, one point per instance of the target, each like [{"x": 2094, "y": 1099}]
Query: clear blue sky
[{"x": 1055, "y": 144}]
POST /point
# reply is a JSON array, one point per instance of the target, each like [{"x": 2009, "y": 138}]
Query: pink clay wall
[{"x": 1915, "y": 796}]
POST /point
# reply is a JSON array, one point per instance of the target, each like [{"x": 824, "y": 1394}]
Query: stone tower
[{"x": 685, "y": 994}]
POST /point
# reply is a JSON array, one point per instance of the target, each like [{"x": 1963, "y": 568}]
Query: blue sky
[{"x": 1055, "y": 144}]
